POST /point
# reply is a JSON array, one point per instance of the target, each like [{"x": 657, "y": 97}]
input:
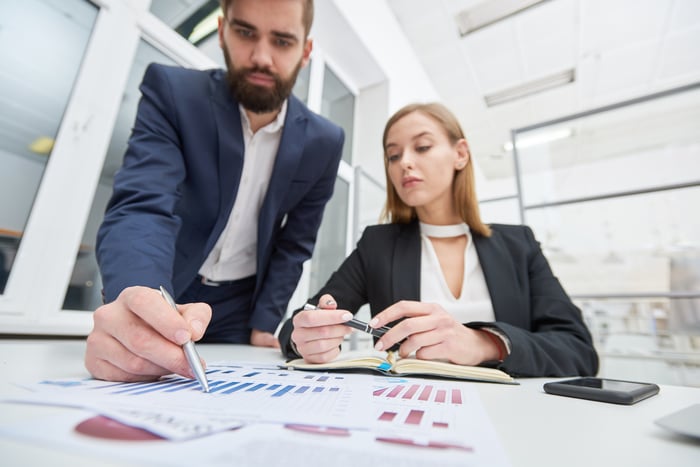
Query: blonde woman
[{"x": 454, "y": 288}]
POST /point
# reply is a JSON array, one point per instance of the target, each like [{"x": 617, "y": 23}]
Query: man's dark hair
[{"x": 307, "y": 16}]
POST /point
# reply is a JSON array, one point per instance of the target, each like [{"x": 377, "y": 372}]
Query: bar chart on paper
[
  {"x": 434, "y": 411},
  {"x": 236, "y": 381},
  {"x": 176, "y": 408}
]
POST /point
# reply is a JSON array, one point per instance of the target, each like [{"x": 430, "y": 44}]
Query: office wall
[{"x": 381, "y": 34}]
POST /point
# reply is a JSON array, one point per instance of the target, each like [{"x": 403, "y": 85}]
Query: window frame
[{"x": 32, "y": 302}]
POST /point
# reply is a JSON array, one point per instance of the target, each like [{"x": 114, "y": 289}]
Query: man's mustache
[{"x": 264, "y": 71}]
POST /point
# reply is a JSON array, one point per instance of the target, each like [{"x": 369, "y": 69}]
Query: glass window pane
[
  {"x": 633, "y": 244},
  {"x": 495, "y": 174},
  {"x": 502, "y": 211},
  {"x": 42, "y": 44},
  {"x": 329, "y": 251},
  {"x": 85, "y": 286},
  {"x": 301, "y": 86},
  {"x": 338, "y": 105},
  {"x": 658, "y": 337},
  {"x": 193, "y": 20},
  {"x": 371, "y": 196},
  {"x": 651, "y": 144}
]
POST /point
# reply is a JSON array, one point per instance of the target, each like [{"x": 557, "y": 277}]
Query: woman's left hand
[{"x": 433, "y": 334}]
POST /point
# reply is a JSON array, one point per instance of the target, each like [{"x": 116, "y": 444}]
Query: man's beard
[{"x": 258, "y": 99}]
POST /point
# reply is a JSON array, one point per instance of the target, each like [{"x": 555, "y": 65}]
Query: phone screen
[
  {"x": 611, "y": 385},
  {"x": 602, "y": 389}
]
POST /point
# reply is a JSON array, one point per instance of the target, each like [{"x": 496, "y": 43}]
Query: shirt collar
[{"x": 272, "y": 127}]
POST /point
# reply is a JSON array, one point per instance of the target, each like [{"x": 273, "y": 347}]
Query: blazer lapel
[
  {"x": 231, "y": 152},
  {"x": 501, "y": 277},
  {"x": 406, "y": 265},
  {"x": 286, "y": 164}
]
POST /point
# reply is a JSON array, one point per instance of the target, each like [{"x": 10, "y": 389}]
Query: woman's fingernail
[
  {"x": 378, "y": 346},
  {"x": 374, "y": 322},
  {"x": 330, "y": 302},
  {"x": 346, "y": 316}
]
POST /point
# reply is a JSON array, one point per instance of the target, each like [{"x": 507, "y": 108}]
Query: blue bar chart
[
  {"x": 229, "y": 381},
  {"x": 176, "y": 408}
]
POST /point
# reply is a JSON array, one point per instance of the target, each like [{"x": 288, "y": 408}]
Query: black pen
[
  {"x": 190, "y": 352},
  {"x": 357, "y": 324}
]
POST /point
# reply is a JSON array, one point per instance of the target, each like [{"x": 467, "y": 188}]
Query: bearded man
[{"x": 219, "y": 199}]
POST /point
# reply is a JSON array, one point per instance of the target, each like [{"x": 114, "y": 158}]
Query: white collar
[
  {"x": 444, "y": 231},
  {"x": 271, "y": 127}
]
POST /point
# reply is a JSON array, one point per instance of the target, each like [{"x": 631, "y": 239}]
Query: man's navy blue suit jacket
[{"x": 179, "y": 179}]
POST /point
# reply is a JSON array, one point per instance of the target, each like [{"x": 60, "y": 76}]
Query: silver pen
[{"x": 188, "y": 347}]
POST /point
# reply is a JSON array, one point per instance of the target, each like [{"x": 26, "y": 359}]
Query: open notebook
[{"x": 378, "y": 362}]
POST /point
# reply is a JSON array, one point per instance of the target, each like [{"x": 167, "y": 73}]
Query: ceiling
[{"x": 618, "y": 49}]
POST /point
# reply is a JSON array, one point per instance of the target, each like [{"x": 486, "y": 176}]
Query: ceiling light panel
[
  {"x": 490, "y": 12},
  {"x": 531, "y": 87}
]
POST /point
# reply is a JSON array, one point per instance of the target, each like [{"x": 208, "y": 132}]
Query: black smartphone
[{"x": 613, "y": 391}]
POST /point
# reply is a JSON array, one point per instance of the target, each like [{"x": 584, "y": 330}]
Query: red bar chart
[
  {"x": 425, "y": 413},
  {"x": 421, "y": 392}
]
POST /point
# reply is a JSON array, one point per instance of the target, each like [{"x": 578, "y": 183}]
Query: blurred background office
[{"x": 583, "y": 118}]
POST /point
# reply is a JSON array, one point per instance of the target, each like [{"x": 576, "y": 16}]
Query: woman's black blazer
[{"x": 547, "y": 334}]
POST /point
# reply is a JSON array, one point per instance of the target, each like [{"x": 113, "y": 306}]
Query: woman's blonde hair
[{"x": 463, "y": 186}]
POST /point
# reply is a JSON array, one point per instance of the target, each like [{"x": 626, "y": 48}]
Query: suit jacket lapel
[
  {"x": 231, "y": 152},
  {"x": 501, "y": 277},
  {"x": 286, "y": 164},
  {"x": 406, "y": 265}
]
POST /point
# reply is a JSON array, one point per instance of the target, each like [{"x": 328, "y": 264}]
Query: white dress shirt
[
  {"x": 234, "y": 254},
  {"x": 474, "y": 301}
]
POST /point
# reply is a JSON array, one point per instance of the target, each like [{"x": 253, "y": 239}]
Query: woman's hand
[
  {"x": 319, "y": 333},
  {"x": 433, "y": 334}
]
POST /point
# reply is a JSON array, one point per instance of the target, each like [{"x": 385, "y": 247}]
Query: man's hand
[
  {"x": 138, "y": 337},
  {"x": 263, "y": 339}
]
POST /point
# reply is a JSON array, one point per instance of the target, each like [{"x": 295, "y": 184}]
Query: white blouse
[{"x": 474, "y": 302}]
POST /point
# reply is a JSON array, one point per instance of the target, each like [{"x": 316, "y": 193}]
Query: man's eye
[
  {"x": 244, "y": 33},
  {"x": 282, "y": 43}
]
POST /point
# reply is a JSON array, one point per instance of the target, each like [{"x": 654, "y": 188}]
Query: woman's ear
[{"x": 462, "y": 154}]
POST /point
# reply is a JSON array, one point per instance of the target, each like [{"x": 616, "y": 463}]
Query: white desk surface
[{"x": 536, "y": 429}]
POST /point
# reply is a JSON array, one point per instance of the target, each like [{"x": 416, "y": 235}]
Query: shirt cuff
[
  {"x": 293, "y": 346},
  {"x": 498, "y": 333}
]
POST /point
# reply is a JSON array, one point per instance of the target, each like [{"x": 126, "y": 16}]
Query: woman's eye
[
  {"x": 393, "y": 158},
  {"x": 423, "y": 148}
]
